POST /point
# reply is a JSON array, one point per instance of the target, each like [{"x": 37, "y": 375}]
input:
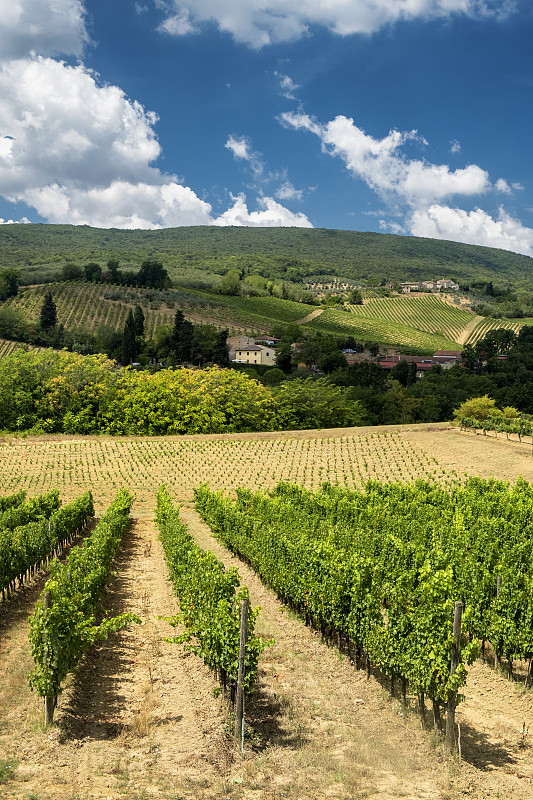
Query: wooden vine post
[
  {"x": 49, "y": 702},
  {"x": 454, "y": 663},
  {"x": 239, "y": 701}
]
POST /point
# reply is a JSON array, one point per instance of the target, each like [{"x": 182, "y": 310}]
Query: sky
[{"x": 396, "y": 116}]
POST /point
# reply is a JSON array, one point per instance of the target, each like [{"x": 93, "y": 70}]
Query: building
[
  {"x": 429, "y": 286},
  {"x": 255, "y": 354}
]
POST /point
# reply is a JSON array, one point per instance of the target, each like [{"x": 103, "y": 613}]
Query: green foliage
[
  {"x": 60, "y": 634},
  {"x": 316, "y": 403},
  {"x": 9, "y": 283},
  {"x": 480, "y": 408},
  {"x": 25, "y": 547},
  {"x": 209, "y": 598},
  {"x": 385, "y": 566},
  {"x": 48, "y": 316},
  {"x": 186, "y": 401}
]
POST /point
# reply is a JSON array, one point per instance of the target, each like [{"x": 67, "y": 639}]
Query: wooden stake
[
  {"x": 49, "y": 702},
  {"x": 454, "y": 663},
  {"x": 239, "y": 705}
]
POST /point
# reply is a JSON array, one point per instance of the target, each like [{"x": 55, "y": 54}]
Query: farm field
[
  {"x": 139, "y": 720},
  {"x": 82, "y": 306}
]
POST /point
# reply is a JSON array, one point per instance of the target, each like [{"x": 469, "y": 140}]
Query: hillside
[
  {"x": 412, "y": 324},
  {"x": 289, "y": 253}
]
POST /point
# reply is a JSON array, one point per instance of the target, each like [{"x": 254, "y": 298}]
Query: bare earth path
[
  {"x": 334, "y": 731},
  {"x": 139, "y": 716},
  {"x": 139, "y": 719}
]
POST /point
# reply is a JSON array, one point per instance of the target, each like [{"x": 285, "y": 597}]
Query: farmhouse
[
  {"x": 255, "y": 354},
  {"x": 429, "y": 286}
]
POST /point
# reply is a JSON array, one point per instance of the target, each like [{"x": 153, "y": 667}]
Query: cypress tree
[
  {"x": 129, "y": 344},
  {"x": 48, "y": 312},
  {"x": 138, "y": 318},
  {"x": 220, "y": 350}
]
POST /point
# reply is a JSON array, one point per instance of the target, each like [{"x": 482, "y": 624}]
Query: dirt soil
[{"x": 139, "y": 719}]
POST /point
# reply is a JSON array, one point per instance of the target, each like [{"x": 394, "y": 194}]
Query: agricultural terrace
[
  {"x": 430, "y": 313},
  {"x": 7, "y": 347},
  {"x": 386, "y": 332},
  {"x": 487, "y": 324},
  {"x": 86, "y": 306}
]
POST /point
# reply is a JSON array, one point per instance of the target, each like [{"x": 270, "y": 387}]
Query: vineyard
[
  {"x": 487, "y": 324},
  {"x": 374, "y": 561},
  {"x": 428, "y": 313},
  {"x": 387, "y": 332},
  {"x": 86, "y": 307}
]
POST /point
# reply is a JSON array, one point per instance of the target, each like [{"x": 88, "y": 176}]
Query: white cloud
[
  {"x": 473, "y": 227},
  {"x": 455, "y": 146},
  {"x": 288, "y": 192},
  {"x": 265, "y": 22},
  {"x": 63, "y": 126},
  {"x": 287, "y": 85},
  {"x": 121, "y": 205},
  {"x": 47, "y": 27},
  {"x": 22, "y": 221},
  {"x": 382, "y": 166},
  {"x": 271, "y": 215},
  {"x": 501, "y": 185},
  {"x": 242, "y": 149}
]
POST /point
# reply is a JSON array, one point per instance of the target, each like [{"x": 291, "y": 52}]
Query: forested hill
[{"x": 291, "y": 253}]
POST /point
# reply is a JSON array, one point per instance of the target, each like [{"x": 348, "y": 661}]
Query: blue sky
[{"x": 404, "y": 116}]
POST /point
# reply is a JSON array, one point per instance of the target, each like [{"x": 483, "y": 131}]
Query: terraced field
[
  {"x": 486, "y": 324},
  {"x": 82, "y": 306},
  {"x": 385, "y": 331},
  {"x": 429, "y": 313}
]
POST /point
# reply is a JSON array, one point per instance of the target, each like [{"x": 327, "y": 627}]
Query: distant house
[
  {"x": 255, "y": 354},
  {"x": 239, "y": 342},
  {"x": 428, "y": 286},
  {"x": 447, "y": 358}
]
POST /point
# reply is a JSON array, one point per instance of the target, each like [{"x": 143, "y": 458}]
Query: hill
[{"x": 293, "y": 254}]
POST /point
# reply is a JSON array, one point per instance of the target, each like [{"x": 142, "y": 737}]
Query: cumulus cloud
[
  {"x": 473, "y": 227},
  {"x": 121, "y": 205},
  {"x": 47, "y": 27},
  {"x": 266, "y": 22},
  {"x": 270, "y": 215},
  {"x": 455, "y": 146},
  {"x": 83, "y": 153},
  {"x": 383, "y": 167}
]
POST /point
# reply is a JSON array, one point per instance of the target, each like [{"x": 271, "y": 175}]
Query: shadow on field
[
  {"x": 269, "y": 717},
  {"x": 95, "y": 697},
  {"x": 20, "y": 604},
  {"x": 480, "y": 752}
]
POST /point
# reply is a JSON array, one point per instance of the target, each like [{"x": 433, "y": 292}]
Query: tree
[
  {"x": 48, "y": 317},
  {"x": 114, "y": 274},
  {"x": 480, "y": 408},
  {"x": 9, "y": 283},
  {"x": 356, "y": 298},
  {"x": 138, "y": 319},
  {"x": 181, "y": 339},
  {"x": 129, "y": 342},
  {"x": 71, "y": 272},
  {"x": 220, "y": 350},
  {"x": 152, "y": 273},
  {"x": 284, "y": 357},
  {"x": 230, "y": 283},
  {"x": 93, "y": 272}
]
